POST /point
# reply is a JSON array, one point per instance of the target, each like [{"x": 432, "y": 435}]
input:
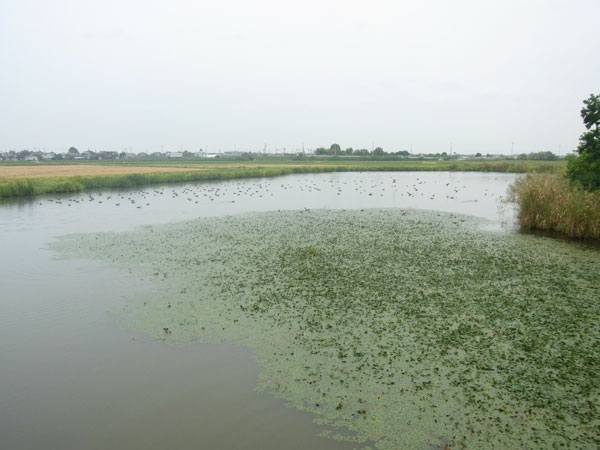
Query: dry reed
[{"x": 547, "y": 201}]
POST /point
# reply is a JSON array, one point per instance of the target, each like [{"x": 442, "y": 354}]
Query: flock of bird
[{"x": 416, "y": 189}]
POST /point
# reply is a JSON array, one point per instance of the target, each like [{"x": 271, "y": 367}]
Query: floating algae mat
[{"x": 409, "y": 329}]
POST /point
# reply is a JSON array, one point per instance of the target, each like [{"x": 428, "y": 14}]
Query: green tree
[
  {"x": 542, "y": 156},
  {"x": 378, "y": 151},
  {"x": 591, "y": 111},
  {"x": 335, "y": 149},
  {"x": 73, "y": 151},
  {"x": 585, "y": 168}
]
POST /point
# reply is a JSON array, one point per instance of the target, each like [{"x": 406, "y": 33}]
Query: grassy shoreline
[
  {"x": 214, "y": 171},
  {"x": 548, "y": 202}
]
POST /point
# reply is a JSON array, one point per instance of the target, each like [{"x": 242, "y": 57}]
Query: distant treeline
[
  {"x": 336, "y": 150},
  {"x": 540, "y": 156}
]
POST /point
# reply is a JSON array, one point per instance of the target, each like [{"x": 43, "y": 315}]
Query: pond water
[{"x": 73, "y": 378}]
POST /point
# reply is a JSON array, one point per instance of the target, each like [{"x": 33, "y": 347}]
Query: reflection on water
[{"x": 72, "y": 379}]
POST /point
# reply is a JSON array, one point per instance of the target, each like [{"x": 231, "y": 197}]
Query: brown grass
[
  {"x": 548, "y": 202},
  {"x": 81, "y": 170}
]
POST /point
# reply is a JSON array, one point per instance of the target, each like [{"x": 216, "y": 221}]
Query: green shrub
[{"x": 584, "y": 169}]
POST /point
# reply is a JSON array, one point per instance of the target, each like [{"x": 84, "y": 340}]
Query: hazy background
[{"x": 225, "y": 75}]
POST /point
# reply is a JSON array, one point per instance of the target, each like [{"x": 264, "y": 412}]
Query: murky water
[{"x": 72, "y": 378}]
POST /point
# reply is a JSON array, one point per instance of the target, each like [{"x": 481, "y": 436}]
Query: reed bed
[{"x": 547, "y": 201}]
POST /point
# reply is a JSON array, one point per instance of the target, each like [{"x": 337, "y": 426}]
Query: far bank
[{"x": 30, "y": 179}]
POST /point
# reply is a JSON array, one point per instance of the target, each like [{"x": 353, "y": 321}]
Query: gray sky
[{"x": 241, "y": 74}]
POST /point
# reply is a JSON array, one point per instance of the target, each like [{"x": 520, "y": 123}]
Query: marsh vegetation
[
  {"x": 549, "y": 202},
  {"x": 409, "y": 328}
]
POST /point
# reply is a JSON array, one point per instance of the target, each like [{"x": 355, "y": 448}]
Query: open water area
[{"x": 74, "y": 377}]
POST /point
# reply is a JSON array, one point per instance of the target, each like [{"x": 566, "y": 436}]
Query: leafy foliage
[
  {"x": 585, "y": 168},
  {"x": 591, "y": 111}
]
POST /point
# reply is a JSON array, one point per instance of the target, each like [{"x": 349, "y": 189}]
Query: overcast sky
[{"x": 242, "y": 74}]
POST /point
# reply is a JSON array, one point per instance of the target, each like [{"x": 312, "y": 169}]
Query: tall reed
[
  {"x": 20, "y": 187},
  {"x": 547, "y": 201}
]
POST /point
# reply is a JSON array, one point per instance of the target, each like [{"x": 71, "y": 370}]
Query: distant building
[
  {"x": 175, "y": 155},
  {"x": 108, "y": 155},
  {"x": 10, "y": 156}
]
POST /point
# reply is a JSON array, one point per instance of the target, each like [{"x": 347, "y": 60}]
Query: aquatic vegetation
[
  {"x": 550, "y": 202},
  {"x": 412, "y": 329}
]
